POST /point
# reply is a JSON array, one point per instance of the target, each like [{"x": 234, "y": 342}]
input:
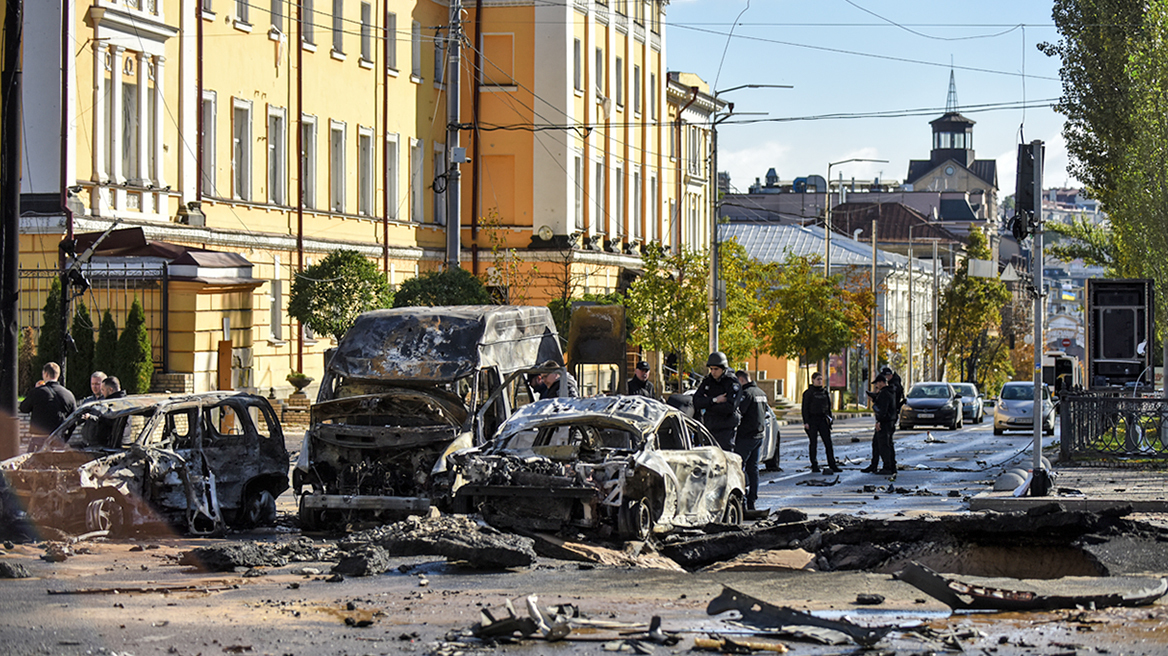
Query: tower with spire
[{"x": 952, "y": 165}]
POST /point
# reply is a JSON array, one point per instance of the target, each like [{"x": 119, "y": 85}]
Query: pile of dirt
[{"x": 456, "y": 537}]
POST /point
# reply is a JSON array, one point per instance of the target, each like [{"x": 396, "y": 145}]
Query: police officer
[
  {"x": 715, "y": 399},
  {"x": 752, "y": 406},
  {"x": 817, "y": 420},
  {"x": 884, "y": 407},
  {"x": 639, "y": 384}
]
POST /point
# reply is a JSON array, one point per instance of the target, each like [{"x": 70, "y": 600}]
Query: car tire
[
  {"x": 258, "y": 509},
  {"x": 772, "y": 463},
  {"x": 634, "y": 519},
  {"x": 310, "y": 520},
  {"x": 106, "y": 513},
  {"x": 1048, "y": 431},
  {"x": 735, "y": 510},
  {"x": 905, "y": 427},
  {"x": 956, "y": 423},
  {"x": 999, "y": 431}
]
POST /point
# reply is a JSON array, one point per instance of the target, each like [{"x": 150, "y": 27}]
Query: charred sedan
[
  {"x": 198, "y": 463},
  {"x": 622, "y": 466}
]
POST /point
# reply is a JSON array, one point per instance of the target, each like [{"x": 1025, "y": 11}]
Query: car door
[
  {"x": 718, "y": 474},
  {"x": 229, "y": 447},
  {"x": 693, "y": 458}
]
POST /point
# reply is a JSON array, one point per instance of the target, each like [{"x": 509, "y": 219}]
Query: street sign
[{"x": 1066, "y": 342}]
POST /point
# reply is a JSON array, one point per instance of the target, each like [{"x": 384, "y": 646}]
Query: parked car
[
  {"x": 768, "y": 451},
  {"x": 403, "y": 389},
  {"x": 972, "y": 402},
  {"x": 622, "y": 466},
  {"x": 935, "y": 404},
  {"x": 199, "y": 462},
  {"x": 1015, "y": 408}
]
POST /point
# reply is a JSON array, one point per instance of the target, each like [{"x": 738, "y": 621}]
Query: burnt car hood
[
  {"x": 444, "y": 344},
  {"x": 435, "y": 409},
  {"x": 635, "y": 413}
]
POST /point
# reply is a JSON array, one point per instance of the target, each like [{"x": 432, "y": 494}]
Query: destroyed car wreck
[
  {"x": 403, "y": 389},
  {"x": 199, "y": 463},
  {"x": 620, "y": 466}
]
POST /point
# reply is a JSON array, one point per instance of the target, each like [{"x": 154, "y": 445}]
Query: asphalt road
[{"x": 939, "y": 470}]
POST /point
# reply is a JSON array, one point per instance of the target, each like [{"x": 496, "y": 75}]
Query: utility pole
[
  {"x": 455, "y": 155},
  {"x": 1041, "y": 479},
  {"x": 10, "y": 174}
]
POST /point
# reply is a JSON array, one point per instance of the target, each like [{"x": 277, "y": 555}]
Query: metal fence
[{"x": 1105, "y": 428}]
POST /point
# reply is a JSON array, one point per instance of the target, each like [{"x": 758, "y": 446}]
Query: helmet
[{"x": 717, "y": 359}]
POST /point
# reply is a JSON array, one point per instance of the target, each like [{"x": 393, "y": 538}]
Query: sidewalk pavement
[{"x": 1089, "y": 489}]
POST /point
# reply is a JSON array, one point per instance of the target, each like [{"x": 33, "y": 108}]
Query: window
[
  {"x": 392, "y": 172},
  {"x": 639, "y": 11},
  {"x": 654, "y": 210},
  {"x": 391, "y": 35},
  {"x": 577, "y": 65},
  {"x": 636, "y": 89},
  {"x": 416, "y": 50},
  {"x": 416, "y": 156},
  {"x": 618, "y": 80},
  {"x": 599, "y": 72},
  {"x": 277, "y": 14},
  {"x": 129, "y": 120},
  {"x": 366, "y": 31},
  {"x": 618, "y": 204},
  {"x": 275, "y": 301},
  {"x": 308, "y": 160},
  {"x": 207, "y": 143},
  {"x": 308, "y": 16},
  {"x": 336, "y": 166},
  {"x": 498, "y": 59},
  {"x": 652, "y": 96},
  {"x": 277, "y": 157},
  {"x": 439, "y": 185},
  {"x": 241, "y": 150},
  {"x": 365, "y": 172},
  {"x": 338, "y": 26},
  {"x": 439, "y": 57},
  {"x": 241, "y": 7},
  {"x": 579, "y": 180},
  {"x": 599, "y": 189},
  {"x": 637, "y": 197}
]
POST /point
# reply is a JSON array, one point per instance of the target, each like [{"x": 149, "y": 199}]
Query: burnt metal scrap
[
  {"x": 456, "y": 537},
  {"x": 961, "y": 595},
  {"x": 623, "y": 467},
  {"x": 765, "y": 615},
  {"x": 199, "y": 462}
]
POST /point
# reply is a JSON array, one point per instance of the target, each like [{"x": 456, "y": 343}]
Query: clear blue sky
[{"x": 866, "y": 56}]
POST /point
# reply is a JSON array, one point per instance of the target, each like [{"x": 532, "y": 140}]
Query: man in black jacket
[
  {"x": 639, "y": 384},
  {"x": 817, "y": 420},
  {"x": 884, "y": 407},
  {"x": 47, "y": 405},
  {"x": 752, "y": 406},
  {"x": 715, "y": 400}
]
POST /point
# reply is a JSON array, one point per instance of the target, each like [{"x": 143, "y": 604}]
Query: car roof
[
  {"x": 135, "y": 402},
  {"x": 636, "y": 412}
]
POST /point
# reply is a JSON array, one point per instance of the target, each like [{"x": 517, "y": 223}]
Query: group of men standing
[
  {"x": 49, "y": 402},
  {"x": 887, "y": 397}
]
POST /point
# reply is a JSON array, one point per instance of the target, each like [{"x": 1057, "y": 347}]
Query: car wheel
[
  {"x": 735, "y": 510},
  {"x": 1048, "y": 431},
  {"x": 772, "y": 463},
  {"x": 634, "y": 520},
  {"x": 999, "y": 431},
  {"x": 905, "y": 427},
  {"x": 259, "y": 509},
  {"x": 956, "y": 422},
  {"x": 106, "y": 513},
  {"x": 310, "y": 520}
]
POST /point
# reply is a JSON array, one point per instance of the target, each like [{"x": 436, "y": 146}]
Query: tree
[
  {"x": 667, "y": 305},
  {"x": 1083, "y": 240},
  {"x": 81, "y": 360},
  {"x": 451, "y": 286},
  {"x": 806, "y": 316},
  {"x": 26, "y": 354},
  {"x": 135, "y": 356},
  {"x": 49, "y": 341},
  {"x": 105, "y": 351},
  {"x": 328, "y": 296},
  {"x": 511, "y": 278},
  {"x": 743, "y": 278},
  {"x": 970, "y": 317}
]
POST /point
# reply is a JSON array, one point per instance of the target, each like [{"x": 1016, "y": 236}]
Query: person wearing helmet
[{"x": 715, "y": 400}]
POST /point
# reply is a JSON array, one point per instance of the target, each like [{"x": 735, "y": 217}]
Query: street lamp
[
  {"x": 827, "y": 210},
  {"x": 715, "y": 256}
]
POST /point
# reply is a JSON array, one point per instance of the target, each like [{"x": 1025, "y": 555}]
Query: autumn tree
[
  {"x": 667, "y": 305},
  {"x": 744, "y": 280},
  {"x": 805, "y": 314},
  {"x": 450, "y": 286},
  {"x": 328, "y": 296},
  {"x": 969, "y": 313}
]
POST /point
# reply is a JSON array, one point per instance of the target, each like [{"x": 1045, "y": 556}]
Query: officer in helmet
[{"x": 715, "y": 400}]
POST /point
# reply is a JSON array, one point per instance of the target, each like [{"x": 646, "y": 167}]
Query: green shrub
[{"x": 135, "y": 355}]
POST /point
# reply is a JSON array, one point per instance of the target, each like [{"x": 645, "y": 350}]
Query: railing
[{"x": 1101, "y": 427}]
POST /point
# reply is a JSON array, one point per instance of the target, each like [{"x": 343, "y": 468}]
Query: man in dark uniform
[
  {"x": 47, "y": 405},
  {"x": 715, "y": 400},
  {"x": 111, "y": 388},
  {"x": 817, "y": 420},
  {"x": 752, "y": 403},
  {"x": 547, "y": 386},
  {"x": 639, "y": 384},
  {"x": 884, "y": 407}
]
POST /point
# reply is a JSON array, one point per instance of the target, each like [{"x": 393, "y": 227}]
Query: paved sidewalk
[{"x": 1091, "y": 489}]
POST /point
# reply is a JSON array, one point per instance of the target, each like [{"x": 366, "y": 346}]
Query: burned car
[
  {"x": 199, "y": 463},
  {"x": 404, "y": 388},
  {"x": 622, "y": 466}
]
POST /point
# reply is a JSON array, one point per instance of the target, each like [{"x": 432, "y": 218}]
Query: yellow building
[{"x": 225, "y": 145}]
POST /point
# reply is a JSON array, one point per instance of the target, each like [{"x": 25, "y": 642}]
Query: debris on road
[
  {"x": 961, "y": 595},
  {"x": 634, "y": 554},
  {"x": 767, "y": 561},
  {"x": 152, "y": 589},
  {"x": 764, "y": 615},
  {"x": 457, "y": 537},
  {"x": 738, "y": 645},
  {"x": 13, "y": 571}
]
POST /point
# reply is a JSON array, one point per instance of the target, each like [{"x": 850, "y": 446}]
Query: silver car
[
  {"x": 972, "y": 402},
  {"x": 1015, "y": 408}
]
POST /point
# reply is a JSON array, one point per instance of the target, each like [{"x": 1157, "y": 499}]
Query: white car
[{"x": 1015, "y": 408}]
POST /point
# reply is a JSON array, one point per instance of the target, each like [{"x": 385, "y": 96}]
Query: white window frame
[
  {"x": 618, "y": 80},
  {"x": 308, "y": 15},
  {"x": 275, "y": 305},
  {"x": 638, "y": 196},
  {"x": 598, "y": 73},
  {"x": 338, "y": 134},
  {"x": 308, "y": 159},
  {"x": 277, "y": 14},
  {"x": 391, "y": 34},
  {"x": 210, "y": 134},
  {"x": 439, "y": 196},
  {"x": 366, "y": 188},
  {"x": 366, "y": 31},
  {"x": 241, "y": 149},
  {"x": 577, "y": 64},
  {"x": 416, "y": 51},
  {"x": 439, "y": 58},
  {"x": 338, "y": 27},
  {"x": 636, "y": 89},
  {"x": 277, "y": 156},
  {"x": 392, "y": 175},
  {"x": 241, "y": 7},
  {"x": 618, "y": 202},
  {"x": 578, "y": 180},
  {"x": 599, "y": 192},
  {"x": 417, "y": 197},
  {"x": 654, "y": 209},
  {"x": 652, "y": 96}
]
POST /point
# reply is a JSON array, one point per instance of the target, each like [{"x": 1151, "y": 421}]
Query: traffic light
[{"x": 1023, "y": 193}]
